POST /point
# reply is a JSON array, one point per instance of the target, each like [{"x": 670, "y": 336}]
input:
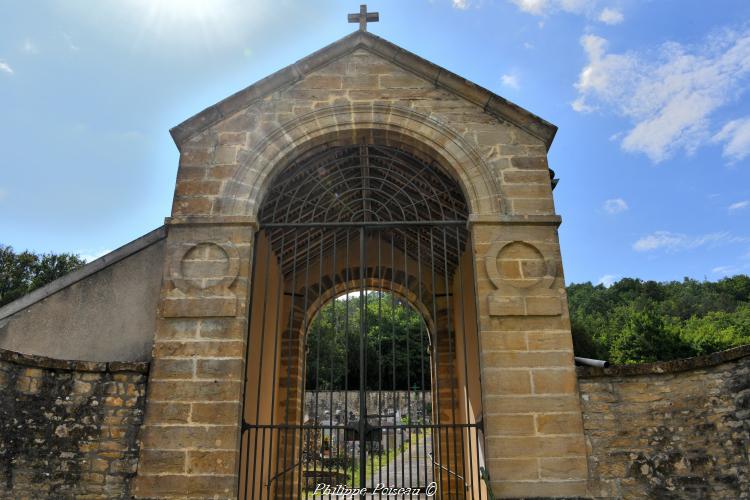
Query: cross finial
[{"x": 364, "y": 17}]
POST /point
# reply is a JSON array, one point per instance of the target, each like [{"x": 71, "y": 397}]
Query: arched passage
[
  {"x": 347, "y": 218},
  {"x": 345, "y": 125}
]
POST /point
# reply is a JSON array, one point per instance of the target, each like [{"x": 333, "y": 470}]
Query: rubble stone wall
[
  {"x": 68, "y": 429},
  {"x": 673, "y": 430}
]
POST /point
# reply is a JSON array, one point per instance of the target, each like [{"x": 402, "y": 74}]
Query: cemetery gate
[{"x": 362, "y": 359}]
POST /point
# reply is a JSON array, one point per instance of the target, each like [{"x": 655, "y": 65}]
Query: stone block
[
  {"x": 509, "y": 425},
  {"x": 543, "y": 306},
  {"x": 529, "y": 162},
  {"x": 211, "y": 462},
  {"x": 498, "y": 381},
  {"x": 526, "y": 176},
  {"x": 528, "y": 446},
  {"x": 503, "y": 341},
  {"x": 224, "y": 369},
  {"x": 195, "y": 390},
  {"x": 216, "y": 413},
  {"x": 177, "y": 437},
  {"x": 167, "y": 413},
  {"x": 550, "y": 341},
  {"x": 199, "y": 307},
  {"x": 189, "y": 187},
  {"x": 530, "y": 404},
  {"x": 532, "y": 206},
  {"x": 176, "y": 328},
  {"x": 558, "y": 423},
  {"x": 172, "y": 369},
  {"x": 507, "y": 305},
  {"x": 520, "y": 359},
  {"x": 163, "y": 462},
  {"x": 518, "y": 469},
  {"x": 199, "y": 348},
  {"x": 551, "y": 381},
  {"x": 539, "y": 489},
  {"x": 221, "y": 328}
]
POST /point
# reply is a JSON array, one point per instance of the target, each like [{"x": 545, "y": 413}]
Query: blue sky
[{"x": 650, "y": 97}]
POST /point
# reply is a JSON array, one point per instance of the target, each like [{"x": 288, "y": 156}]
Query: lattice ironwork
[
  {"x": 343, "y": 186},
  {"x": 364, "y": 223}
]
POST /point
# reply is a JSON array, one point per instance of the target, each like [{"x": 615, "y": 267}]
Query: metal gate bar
[{"x": 312, "y": 267}]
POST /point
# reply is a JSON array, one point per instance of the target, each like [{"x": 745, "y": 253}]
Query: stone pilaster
[
  {"x": 532, "y": 419},
  {"x": 190, "y": 438}
]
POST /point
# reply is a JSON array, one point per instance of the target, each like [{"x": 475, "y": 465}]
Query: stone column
[
  {"x": 190, "y": 438},
  {"x": 532, "y": 419}
]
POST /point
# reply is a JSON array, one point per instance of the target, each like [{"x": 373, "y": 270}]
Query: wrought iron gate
[{"x": 362, "y": 351}]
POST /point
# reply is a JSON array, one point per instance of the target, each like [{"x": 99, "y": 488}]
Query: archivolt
[{"x": 350, "y": 124}]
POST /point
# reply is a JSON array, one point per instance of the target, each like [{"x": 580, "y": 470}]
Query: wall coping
[
  {"x": 34, "y": 361},
  {"x": 87, "y": 270},
  {"x": 666, "y": 367}
]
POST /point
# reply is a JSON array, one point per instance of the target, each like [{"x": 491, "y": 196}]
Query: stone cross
[{"x": 364, "y": 17}]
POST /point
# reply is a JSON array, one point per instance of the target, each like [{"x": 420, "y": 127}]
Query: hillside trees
[{"x": 636, "y": 321}]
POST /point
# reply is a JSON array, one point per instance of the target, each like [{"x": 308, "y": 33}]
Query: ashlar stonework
[
  {"x": 363, "y": 87},
  {"x": 108, "y": 429}
]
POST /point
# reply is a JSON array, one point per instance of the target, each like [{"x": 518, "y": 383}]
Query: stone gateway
[{"x": 358, "y": 175}]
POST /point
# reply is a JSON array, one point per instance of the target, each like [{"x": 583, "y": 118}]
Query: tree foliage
[
  {"x": 636, "y": 321},
  {"x": 20, "y": 273},
  {"x": 396, "y": 348}
]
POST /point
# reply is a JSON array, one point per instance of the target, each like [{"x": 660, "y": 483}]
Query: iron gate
[{"x": 362, "y": 351}]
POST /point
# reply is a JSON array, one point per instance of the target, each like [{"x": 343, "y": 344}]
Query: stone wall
[
  {"x": 68, "y": 429},
  {"x": 378, "y": 403},
  {"x": 673, "y": 430},
  {"x": 105, "y": 311}
]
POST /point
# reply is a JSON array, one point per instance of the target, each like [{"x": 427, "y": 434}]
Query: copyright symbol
[{"x": 431, "y": 489}]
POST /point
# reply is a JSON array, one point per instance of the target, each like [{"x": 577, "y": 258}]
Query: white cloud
[
  {"x": 30, "y": 47},
  {"x": 580, "y": 106},
  {"x": 674, "y": 242},
  {"x": 69, "y": 41},
  {"x": 536, "y": 7},
  {"x": 608, "y": 280},
  {"x": 615, "y": 206},
  {"x": 510, "y": 80},
  {"x": 725, "y": 270},
  {"x": 6, "y": 67},
  {"x": 738, "y": 206},
  {"x": 545, "y": 7},
  {"x": 668, "y": 95},
  {"x": 611, "y": 16},
  {"x": 736, "y": 138},
  {"x": 585, "y": 8},
  {"x": 461, "y": 4}
]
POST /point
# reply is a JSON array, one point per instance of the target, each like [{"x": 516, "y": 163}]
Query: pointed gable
[{"x": 311, "y": 71}]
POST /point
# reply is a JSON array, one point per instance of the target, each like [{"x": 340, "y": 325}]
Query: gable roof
[{"x": 487, "y": 100}]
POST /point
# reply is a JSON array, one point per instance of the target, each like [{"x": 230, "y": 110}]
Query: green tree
[
  {"x": 637, "y": 321},
  {"x": 395, "y": 345},
  {"x": 20, "y": 273}
]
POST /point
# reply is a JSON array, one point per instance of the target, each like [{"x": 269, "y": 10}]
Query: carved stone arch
[{"x": 349, "y": 124}]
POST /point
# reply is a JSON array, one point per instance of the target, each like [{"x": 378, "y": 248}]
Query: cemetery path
[{"x": 408, "y": 469}]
